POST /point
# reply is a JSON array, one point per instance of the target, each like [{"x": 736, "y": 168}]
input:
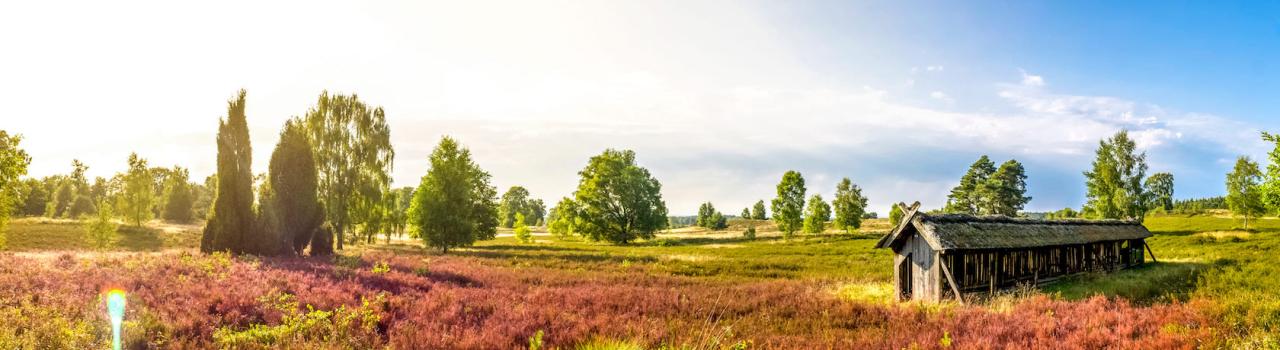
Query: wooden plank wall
[{"x": 988, "y": 270}]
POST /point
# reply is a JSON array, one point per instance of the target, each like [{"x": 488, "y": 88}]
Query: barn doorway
[{"x": 904, "y": 278}]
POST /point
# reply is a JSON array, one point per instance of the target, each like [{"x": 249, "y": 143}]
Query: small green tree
[
  {"x": 454, "y": 205},
  {"x": 13, "y": 165},
  {"x": 138, "y": 195},
  {"x": 757, "y": 211},
  {"x": 1244, "y": 194},
  {"x": 849, "y": 205},
  {"x": 895, "y": 215},
  {"x": 1271, "y": 181},
  {"x": 788, "y": 206},
  {"x": 617, "y": 200},
  {"x": 560, "y": 221},
  {"x": 513, "y": 202},
  {"x": 178, "y": 195},
  {"x": 1159, "y": 187},
  {"x": 746, "y": 213},
  {"x": 718, "y": 221},
  {"x": 817, "y": 215},
  {"x": 100, "y": 230},
  {"x": 522, "y": 233}
]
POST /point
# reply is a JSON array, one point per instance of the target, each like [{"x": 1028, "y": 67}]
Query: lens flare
[{"x": 115, "y": 309}]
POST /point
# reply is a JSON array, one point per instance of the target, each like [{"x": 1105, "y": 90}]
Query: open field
[{"x": 1215, "y": 286}]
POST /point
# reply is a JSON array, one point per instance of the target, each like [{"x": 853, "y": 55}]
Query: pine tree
[
  {"x": 231, "y": 220},
  {"x": 970, "y": 196},
  {"x": 817, "y": 215},
  {"x": 1005, "y": 191},
  {"x": 292, "y": 175},
  {"x": 788, "y": 206},
  {"x": 849, "y": 205}
]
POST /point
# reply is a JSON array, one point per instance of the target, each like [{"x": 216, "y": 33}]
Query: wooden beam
[
  {"x": 1153, "y": 254},
  {"x": 951, "y": 280}
]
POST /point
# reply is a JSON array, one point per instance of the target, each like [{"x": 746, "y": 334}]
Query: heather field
[{"x": 688, "y": 289}]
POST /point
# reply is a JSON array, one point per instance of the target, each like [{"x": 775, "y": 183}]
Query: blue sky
[{"x": 718, "y": 98}]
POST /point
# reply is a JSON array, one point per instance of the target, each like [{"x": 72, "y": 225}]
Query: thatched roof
[{"x": 951, "y": 231}]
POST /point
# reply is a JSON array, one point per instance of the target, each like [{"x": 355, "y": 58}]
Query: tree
[
  {"x": 138, "y": 195},
  {"x": 537, "y": 212},
  {"x": 746, "y": 213},
  {"x": 1271, "y": 181},
  {"x": 788, "y": 205},
  {"x": 101, "y": 229},
  {"x": 61, "y": 200},
  {"x": 231, "y": 220},
  {"x": 1006, "y": 190},
  {"x": 817, "y": 215},
  {"x": 849, "y": 205},
  {"x": 178, "y": 196},
  {"x": 522, "y": 232},
  {"x": 352, "y": 147},
  {"x": 454, "y": 205},
  {"x": 13, "y": 165},
  {"x": 35, "y": 198},
  {"x": 971, "y": 195},
  {"x": 895, "y": 215},
  {"x": 757, "y": 211},
  {"x": 1114, "y": 185},
  {"x": 1159, "y": 186},
  {"x": 513, "y": 202},
  {"x": 560, "y": 221},
  {"x": 1244, "y": 193},
  {"x": 82, "y": 202},
  {"x": 617, "y": 200},
  {"x": 717, "y": 221},
  {"x": 705, "y": 213},
  {"x": 293, "y": 181}
]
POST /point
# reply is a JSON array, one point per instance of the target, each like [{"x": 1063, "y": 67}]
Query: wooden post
[
  {"x": 946, "y": 270},
  {"x": 1153, "y": 254}
]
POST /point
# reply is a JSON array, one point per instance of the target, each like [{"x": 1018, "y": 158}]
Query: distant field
[{"x": 691, "y": 288}]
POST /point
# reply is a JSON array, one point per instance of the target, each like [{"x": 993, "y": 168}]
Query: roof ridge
[{"x": 963, "y": 218}]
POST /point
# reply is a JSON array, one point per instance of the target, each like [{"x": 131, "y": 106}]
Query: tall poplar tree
[
  {"x": 788, "y": 206},
  {"x": 231, "y": 219},
  {"x": 352, "y": 147}
]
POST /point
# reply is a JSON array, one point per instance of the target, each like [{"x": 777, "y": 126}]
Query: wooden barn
[{"x": 938, "y": 257}]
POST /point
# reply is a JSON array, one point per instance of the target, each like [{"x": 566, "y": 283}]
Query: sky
[{"x": 717, "y": 98}]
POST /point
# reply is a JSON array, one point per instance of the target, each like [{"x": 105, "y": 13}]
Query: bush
[{"x": 750, "y": 233}]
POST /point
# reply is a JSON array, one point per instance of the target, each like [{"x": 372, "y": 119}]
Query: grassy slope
[{"x": 41, "y": 234}]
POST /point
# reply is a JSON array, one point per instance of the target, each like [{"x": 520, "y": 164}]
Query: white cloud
[
  {"x": 941, "y": 96},
  {"x": 936, "y": 68},
  {"x": 1031, "y": 80}
]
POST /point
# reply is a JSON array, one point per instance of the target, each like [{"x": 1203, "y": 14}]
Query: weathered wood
[
  {"x": 1153, "y": 254},
  {"x": 946, "y": 270}
]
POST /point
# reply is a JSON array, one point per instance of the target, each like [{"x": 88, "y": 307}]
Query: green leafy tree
[
  {"x": 617, "y": 200},
  {"x": 788, "y": 206},
  {"x": 138, "y": 195},
  {"x": 537, "y": 212},
  {"x": 513, "y": 202},
  {"x": 850, "y": 206},
  {"x": 13, "y": 165},
  {"x": 1006, "y": 190},
  {"x": 454, "y": 205},
  {"x": 399, "y": 210},
  {"x": 293, "y": 182},
  {"x": 1159, "y": 186},
  {"x": 705, "y": 213},
  {"x": 970, "y": 196},
  {"x": 82, "y": 202},
  {"x": 817, "y": 215},
  {"x": 1114, "y": 185},
  {"x": 718, "y": 221},
  {"x": 231, "y": 223},
  {"x": 1244, "y": 192},
  {"x": 1271, "y": 180},
  {"x": 895, "y": 215},
  {"x": 757, "y": 211},
  {"x": 35, "y": 198},
  {"x": 61, "y": 200},
  {"x": 179, "y": 196},
  {"x": 746, "y": 213},
  {"x": 560, "y": 221},
  {"x": 352, "y": 147},
  {"x": 522, "y": 232},
  {"x": 101, "y": 229}
]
